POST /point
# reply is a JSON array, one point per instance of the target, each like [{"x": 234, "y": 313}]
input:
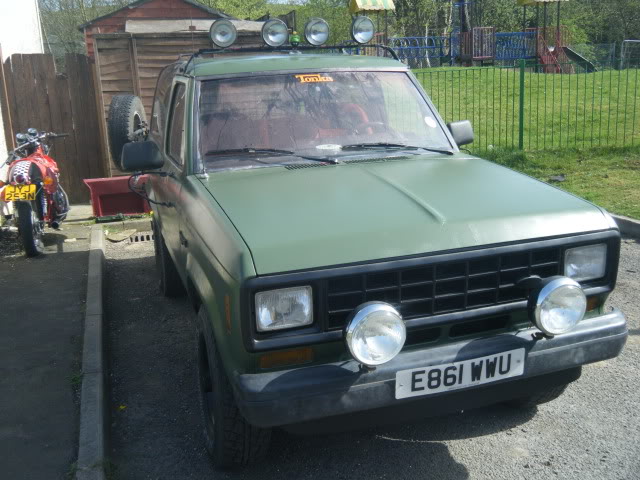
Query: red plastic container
[{"x": 111, "y": 196}]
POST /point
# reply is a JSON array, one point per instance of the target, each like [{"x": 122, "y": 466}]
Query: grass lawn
[
  {"x": 609, "y": 177},
  {"x": 581, "y": 110}
]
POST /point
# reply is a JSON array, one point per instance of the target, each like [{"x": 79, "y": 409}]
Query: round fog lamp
[
  {"x": 362, "y": 29},
  {"x": 560, "y": 305},
  {"x": 375, "y": 333},
  {"x": 275, "y": 32},
  {"x": 316, "y": 31},
  {"x": 223, "y": 33}
]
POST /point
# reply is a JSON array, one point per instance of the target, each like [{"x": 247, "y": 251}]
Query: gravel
[{"x": 591, "y": 432}]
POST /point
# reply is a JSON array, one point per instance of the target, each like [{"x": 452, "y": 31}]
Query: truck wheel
[
  {"x": 229, "y": 438},
  {"x": 170, "y": 281},
  {"x": 124, "y": 124},
  {"x": 29, "y": 228}
]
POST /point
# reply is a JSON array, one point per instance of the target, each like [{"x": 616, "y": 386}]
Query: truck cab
[{"x": 344, "y": 256}]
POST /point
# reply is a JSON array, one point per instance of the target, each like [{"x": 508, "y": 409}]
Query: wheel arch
[{"x": 219, "y": 294}]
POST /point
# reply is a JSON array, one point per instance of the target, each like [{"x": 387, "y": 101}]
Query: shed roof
[{"x": 193, "y": 3}]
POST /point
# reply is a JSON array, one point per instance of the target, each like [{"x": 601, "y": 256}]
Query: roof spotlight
[
  {"x": 362, "y": 29},
  {"x": 316, "y": 31},
  {"x": 223, "y": 33},
  {"x": 275, "y": 32}
]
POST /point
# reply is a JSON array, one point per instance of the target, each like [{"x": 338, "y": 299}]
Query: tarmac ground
[{"x": 42, "y": 313}]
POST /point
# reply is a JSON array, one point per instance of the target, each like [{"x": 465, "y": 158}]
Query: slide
[{"x": 580, "y": 60}]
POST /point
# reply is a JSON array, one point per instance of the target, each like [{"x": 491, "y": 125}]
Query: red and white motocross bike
[{"x": 33, "y": 185}]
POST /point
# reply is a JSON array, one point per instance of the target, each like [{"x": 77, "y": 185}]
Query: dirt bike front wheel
[{"x": 30, "y": 229}]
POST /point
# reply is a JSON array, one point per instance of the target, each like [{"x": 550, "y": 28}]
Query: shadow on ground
[{"x": 156, "y": 424}]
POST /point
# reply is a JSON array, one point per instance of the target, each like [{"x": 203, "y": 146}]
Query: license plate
[
  {"x": 15, "y": 193},
  {"x": 458, "y": 375}
]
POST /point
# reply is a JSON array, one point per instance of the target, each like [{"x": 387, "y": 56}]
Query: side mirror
[
  {"x": 461, "y": 131},
  {"x": 138, "y": 156}
]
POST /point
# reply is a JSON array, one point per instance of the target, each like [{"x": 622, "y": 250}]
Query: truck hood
[{"x": 296, "y": 219}]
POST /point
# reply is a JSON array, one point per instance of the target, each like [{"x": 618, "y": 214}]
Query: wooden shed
[
  {"x": 131, "y": 62},
  {"x": 115, "y": 22},
  {"x": 130, "y": 59}
]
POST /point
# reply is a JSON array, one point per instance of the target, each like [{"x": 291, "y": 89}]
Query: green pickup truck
[{"x": 345, "y": 258}]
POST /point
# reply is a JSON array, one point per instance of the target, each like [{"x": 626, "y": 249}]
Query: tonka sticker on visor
[{"x": 313, "y": 78}]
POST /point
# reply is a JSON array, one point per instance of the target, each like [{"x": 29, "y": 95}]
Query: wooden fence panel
[
  {"x": 39, "y": 97},
  {"x": 4, "y": 106}
]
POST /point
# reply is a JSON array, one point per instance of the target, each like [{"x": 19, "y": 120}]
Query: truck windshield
[{"x": 311, "y": 115}]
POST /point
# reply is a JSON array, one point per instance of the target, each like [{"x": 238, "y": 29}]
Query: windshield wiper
[
  {"x": 357, "y": 146},
  {"x": 249, "y": 150},
  {"x": 273, "y": 151}
]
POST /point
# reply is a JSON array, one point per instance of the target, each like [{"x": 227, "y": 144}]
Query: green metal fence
[{"x": 524, "y": 107}]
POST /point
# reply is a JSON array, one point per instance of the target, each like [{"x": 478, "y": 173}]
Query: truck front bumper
[{"x": 308, "y": 393}]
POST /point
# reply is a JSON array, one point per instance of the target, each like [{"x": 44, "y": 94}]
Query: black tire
[
  {"x": 229, "y": 438},
  {"x": 126, "y": 116},
  {"x": 170, "y": 281},
  {"x": 29, "y": 228}
]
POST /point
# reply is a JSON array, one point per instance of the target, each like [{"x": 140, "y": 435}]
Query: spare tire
[{"x": 126, "y": 117}]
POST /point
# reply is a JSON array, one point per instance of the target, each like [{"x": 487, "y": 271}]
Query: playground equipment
[
  {"x": 511, "y": 46},
  {"x": 471, "y": 42},
  {"x": 422, "y": 52},
  {"x": 550, "y": 46},
  {"x": 544, "y": 46}
]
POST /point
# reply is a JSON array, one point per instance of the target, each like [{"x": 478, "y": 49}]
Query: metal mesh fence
[
  {"x": 537, "y": 107},
  {"x": 630, "y": 54}
]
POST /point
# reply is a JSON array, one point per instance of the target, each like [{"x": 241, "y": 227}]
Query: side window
[
  {"x": 176, "y": 124},
  {"x": 160, "y": 101}
]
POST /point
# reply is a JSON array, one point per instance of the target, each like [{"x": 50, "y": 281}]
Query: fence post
[{"x": 523, "y": 64}]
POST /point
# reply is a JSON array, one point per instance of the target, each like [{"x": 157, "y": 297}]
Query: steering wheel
[
  {"x": 371, "y": 127},
  {"x": 358, "y": 111}
]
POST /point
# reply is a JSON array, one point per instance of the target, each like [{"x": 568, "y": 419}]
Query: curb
[
  {"x": 140, "y": 225},
  {"x": 628, "y": 226},
  {"x": 92, "y": 442}
]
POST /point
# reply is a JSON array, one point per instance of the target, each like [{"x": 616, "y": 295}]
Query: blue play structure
[
  {"x": 515, "y": 46},
  {"x": 422, "y": 51},
  {"x": 440, "y": 50}
]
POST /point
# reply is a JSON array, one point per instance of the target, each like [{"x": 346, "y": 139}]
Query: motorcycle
[{"x": 33, "y": 185}]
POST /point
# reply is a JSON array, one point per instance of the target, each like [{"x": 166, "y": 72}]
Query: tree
[
  {"x": 418, "y": 18},
  {"x": 243, "y": 9},
  {"x": 61, "y": 18}
]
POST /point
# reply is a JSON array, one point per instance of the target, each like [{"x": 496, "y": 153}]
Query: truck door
[{"x": 170, "y": 186}]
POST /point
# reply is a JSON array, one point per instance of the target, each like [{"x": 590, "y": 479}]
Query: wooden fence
[{"x": 33, "y": 94}]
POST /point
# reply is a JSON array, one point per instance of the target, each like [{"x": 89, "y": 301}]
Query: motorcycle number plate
[{"x": 16, "y": 193}]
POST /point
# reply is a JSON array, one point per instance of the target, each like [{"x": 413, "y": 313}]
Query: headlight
[
  {"x": 223, "y": 33},
  {"x": 275, "y": 32},
  {"x": 284, "y": 308},
  {"x": 586, "y": 263},
  {"x": 362, "y": 29},
  {"x": 559, "y": 306},
  {"x": 375, "y": 333},
  {"x": 316, "y": 31}
]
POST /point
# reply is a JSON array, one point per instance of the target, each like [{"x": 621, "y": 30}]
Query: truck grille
[{"x": 440, "y": 288}]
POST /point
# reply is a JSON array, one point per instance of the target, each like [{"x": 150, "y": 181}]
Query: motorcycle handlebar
[{"x": 32, "y": 140}]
